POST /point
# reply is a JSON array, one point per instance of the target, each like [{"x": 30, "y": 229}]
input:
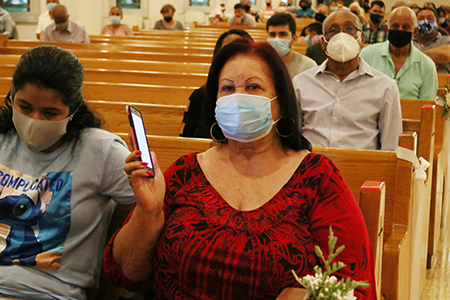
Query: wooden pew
[
  {"x": 412, "y": 112},
  {"x": 128, "y": 55},
  {"x": 131, "y": 76},
  {"x": 126, "y": 64},
  {"x": 126, "y": 92},
  {"x": 159, "y": 119},
  {"x": 443, "y": 80}
]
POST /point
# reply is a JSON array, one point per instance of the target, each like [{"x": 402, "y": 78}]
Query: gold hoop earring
[
  {"x": 212, "y": 135},
  {"x": 278, "y": 123}
]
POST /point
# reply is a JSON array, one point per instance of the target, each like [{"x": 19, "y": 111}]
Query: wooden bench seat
[
  {"x": 126, "y": 92},
  {"x": 158, "y": 119},
  {"x": 128, "y": 55},
  {"x": 131, "y": 76},
  {"x": 125, "y": 64}
]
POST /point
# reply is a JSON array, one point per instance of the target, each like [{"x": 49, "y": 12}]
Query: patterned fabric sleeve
[{"x": 338, "y": 208}]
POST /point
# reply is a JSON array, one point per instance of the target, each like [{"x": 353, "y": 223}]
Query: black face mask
[
  {"x": 247, "y": 8},
  {"x": 319, "y": 17},
  {"x": 376, "y": 19},
  {"x": 399, "y": 38},
  {"x": 354, "y": 12},
  {"x": 268, "y": 4},
  {"x": 168, "y": 19},
  {"x": 305, "y": 7}
]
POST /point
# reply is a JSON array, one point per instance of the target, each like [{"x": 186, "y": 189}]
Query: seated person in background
[
  {"x": 115, "y": 28},
  {"x": 357, "y": 10},
  {"x": 333, "y": 6},
  {"x": 430, "y": 41},
  {"x": 64, "y": 171},
  {"x": 430, "y": 4},
  {"x": 232, "y": 222},
  {"x": 313, "y": 33},
  {"x": 282, "y": 8},
  {"x": 45, "y": 19},
  {"x": 414, "y": 7},
  {"x": 315, "y": 51},
  {"x": 442, "y": 19},
  {"x": 305, "y": 10},
  {"x": 193, "y": 119},
  {"x": 267, "y": 11},
  {"x": 6, "y": 23},
  {"x": 241, "y": 18},
  {"x": 281, "y": 34},
  {"x": 63, "y": 29},
  {"x": 399, "y": 59},
  {"x": 291, "y": 6},
  {"x": 220, "y": 13},
  {"x": 366, "y": 6},
  {"x": 374, "y": 30},
  {"x": 344, "y": 102},
  {"x": 248, "y": 9},
  {"x": 168, "y": 22},
  {"x": 321, "y": 13}
]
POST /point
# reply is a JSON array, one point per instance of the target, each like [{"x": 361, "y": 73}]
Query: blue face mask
[
  {"x": 115, "y": 20},
  {"x": 308, "y": 40},
  {"x": 281, "y": 45},
  {"x": 427, "y": 27},
  {"x": 50, "y": 6},
  {"x": 244, "y": 117}
]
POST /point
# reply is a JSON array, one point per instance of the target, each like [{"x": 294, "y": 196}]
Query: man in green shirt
[{"x": 414, "y": 71}]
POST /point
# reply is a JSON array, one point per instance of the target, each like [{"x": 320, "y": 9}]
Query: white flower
[
  {"x": 349, "y": 296},
  {"x": 439, "y": 101},
  {"x": 447, "y": 97}
]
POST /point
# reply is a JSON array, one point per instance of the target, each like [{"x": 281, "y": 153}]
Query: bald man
[
  {"x": 63, "y": 29},
  {"x": 399, "y": 59},
  {"x": 45, "y": 19},
  {"x": 344, "y": 102}
]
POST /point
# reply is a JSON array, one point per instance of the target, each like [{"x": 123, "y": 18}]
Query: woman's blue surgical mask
[
  {"x": 427, "y": 27},
  {"x": 280, "y": 45},
  {"x": 50, "y": 6},
  {"x": 115, "y": 20},
  {"x": 244, "y": 117}
]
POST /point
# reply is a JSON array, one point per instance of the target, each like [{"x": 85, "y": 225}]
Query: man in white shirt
[
  {"x": 345, "y": 102},
  {"x": 45, "y": 19}
]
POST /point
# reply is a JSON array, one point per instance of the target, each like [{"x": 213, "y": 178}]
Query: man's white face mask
[{"x": 343, "y": 47}]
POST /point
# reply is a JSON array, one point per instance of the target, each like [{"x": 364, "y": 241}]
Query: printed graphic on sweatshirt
[{"x": 34, "y": 218}]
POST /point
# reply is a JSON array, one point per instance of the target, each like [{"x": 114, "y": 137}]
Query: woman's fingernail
[
  {"x": 138, "y": 152},
  {"x": 149, "y": 173},
  {"x": 144, "y": 163}
]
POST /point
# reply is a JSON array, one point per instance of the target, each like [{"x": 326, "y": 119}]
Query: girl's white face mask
[
  {"x": 39, "y": 135},
  {"x": 343, "y": 47}
]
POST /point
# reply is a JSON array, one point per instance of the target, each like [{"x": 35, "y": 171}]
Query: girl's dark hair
[
  {"x": 283, "y": 86},
  {"x": 244, "y": 34},
  {"x": 50, "y": 67}
]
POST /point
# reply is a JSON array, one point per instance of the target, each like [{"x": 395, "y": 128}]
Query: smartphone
[{"x": 138, "y": 136}]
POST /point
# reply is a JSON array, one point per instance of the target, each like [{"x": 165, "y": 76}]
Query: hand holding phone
[{"x": 139, "y": 137}]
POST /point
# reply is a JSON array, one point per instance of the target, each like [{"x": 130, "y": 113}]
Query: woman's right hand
[{"x": 149, "y": 192}]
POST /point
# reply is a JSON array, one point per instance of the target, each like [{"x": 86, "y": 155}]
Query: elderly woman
[
  {"x": 116, "y": 28},
  {"x": 58, "y": 172},
  {"x": 232, "y": 222},
  {"x": 168, "y": 22}
]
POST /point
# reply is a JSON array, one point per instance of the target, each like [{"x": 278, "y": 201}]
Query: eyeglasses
[{"x": 352, "y": 30}]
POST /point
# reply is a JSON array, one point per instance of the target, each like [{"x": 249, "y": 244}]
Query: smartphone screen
[{"x": 137, "y": 124}]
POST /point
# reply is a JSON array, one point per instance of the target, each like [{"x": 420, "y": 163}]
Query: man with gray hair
[
  {"x": 344, "y": 102},
  {"x": 63, "y": 29},
  {"x": 399, "y": 59}
]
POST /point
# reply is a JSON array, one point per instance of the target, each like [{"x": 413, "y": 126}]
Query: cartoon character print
[{"x": 19, "y": 216}]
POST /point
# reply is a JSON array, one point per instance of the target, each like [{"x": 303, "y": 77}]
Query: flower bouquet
[
  {"x": 324, "y": 286},
  {"x": 444, "y": 100}
]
